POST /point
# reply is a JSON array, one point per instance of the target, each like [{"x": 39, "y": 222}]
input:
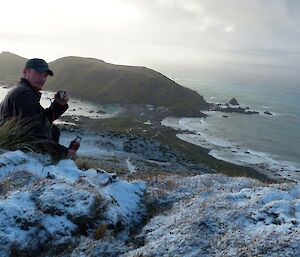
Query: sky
[{"x": 156, "y": 33}]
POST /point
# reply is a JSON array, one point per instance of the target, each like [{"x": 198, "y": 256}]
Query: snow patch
[{"x": 60, "y": 201}]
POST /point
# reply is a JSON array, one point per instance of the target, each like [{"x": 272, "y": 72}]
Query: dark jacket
[{"x": 23, "y": 101}]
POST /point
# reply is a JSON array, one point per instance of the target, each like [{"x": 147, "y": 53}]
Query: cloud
[
  {"x": 141, "y": 31},
  {"x": 223, "y": 26}
]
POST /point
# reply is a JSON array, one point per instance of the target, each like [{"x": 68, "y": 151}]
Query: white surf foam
[{"x": 232, "y": 152}]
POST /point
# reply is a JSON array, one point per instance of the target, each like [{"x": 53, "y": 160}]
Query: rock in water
[
  {"x": 234, "y": 102},
  {"x": 268, "y": 113}
]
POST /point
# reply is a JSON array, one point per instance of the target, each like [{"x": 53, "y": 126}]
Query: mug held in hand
[{"x": 61, "y": 94}]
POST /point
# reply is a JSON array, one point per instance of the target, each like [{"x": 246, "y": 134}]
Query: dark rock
[
  {"x": 50, "y": 176},
  {"x": 234, "y": 102},
  {"x": 229, "y": 109},
  {"x": 252, "y": 112},
  {"x": 268, "y": 113},
  {"x": 225, "y": 116}
]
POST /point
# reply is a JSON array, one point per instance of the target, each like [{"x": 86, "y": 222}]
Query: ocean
[{"x": 269, "y": 141}]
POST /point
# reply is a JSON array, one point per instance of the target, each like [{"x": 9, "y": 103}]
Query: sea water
[
  {"x": 77, "y": 107},
  {"x": 272, "y": 141}
]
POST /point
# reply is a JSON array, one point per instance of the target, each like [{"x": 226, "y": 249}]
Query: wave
[{"x": 233, "y": 152}]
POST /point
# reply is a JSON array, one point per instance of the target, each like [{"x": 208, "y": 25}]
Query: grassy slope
[
  {"x": 107, "y": 83},
  {"x": 11, "y": 67},
  {"x": 95, "y": 80}
]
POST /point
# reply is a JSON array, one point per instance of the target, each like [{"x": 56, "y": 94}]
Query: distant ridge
[
  {"x": 11, "y": 66},
  {"x": 101, "y": 82}
]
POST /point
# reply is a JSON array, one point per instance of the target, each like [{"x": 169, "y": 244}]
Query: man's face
[{"x": 36, "y": 79}]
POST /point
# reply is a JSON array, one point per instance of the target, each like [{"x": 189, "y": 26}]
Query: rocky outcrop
[
  {"x": 234, "y": 102},
  {"x": 231, "y": 109},
  {"x": 268, "y": 113}
]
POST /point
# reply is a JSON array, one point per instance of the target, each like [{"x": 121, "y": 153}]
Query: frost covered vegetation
[
  {"x": 215, "y": 215},
  {"x": 160, "y": 204},
  {"x": 45, "y": 208}
]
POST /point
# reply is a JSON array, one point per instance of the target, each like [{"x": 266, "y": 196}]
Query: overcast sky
[{"x": 154, "y": 32}]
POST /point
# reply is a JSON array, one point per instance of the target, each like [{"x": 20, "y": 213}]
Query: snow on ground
[
  {"x": 131, "y": 167},
  {"x": 212, "y": 215},
  {"x": 43, "y": 205},
  {"x": 115, "y": 149},
  {"x": 58, "y": 208},
  {"x": 215, "y": 215}
]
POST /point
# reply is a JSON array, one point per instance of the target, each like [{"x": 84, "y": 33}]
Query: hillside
[
  {"x": 11, "y": 67},
  {"x": 101, "y": 82},
  {"x": 107, "y": 83}
]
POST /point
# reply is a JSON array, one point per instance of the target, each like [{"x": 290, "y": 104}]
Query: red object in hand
[{"x": 74, "y": 145}]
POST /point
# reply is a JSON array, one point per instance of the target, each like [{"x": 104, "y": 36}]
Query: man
[{"x": 23, "y": 101}]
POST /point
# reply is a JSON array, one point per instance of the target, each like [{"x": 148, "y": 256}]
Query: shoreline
[
  {"x": 196, "y": 131},
  {"x": 148, "y": 126},
  {"x": 202, "y": 154}
]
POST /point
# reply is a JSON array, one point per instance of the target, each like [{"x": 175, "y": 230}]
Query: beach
[{"x": 227, "y": 151}]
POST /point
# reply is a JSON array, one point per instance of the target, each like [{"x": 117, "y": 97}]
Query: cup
[{"x": 61, "y": 94}]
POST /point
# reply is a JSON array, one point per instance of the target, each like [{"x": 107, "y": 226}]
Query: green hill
[
  {"x": 107, "y": 83},
  {"x": 101, "y": 82}
]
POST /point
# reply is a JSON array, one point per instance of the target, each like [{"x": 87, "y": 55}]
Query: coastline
[
  {"x": 228, "y": 151},
  {"x": 149, "y": 126},
  {"x": 145, "y": 121}
]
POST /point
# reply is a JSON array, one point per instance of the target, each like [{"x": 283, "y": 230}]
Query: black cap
[{"x": 38, "y": 65}]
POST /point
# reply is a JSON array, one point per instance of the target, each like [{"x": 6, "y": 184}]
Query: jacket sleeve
[
  {"x": 55, "y": 111},
  {"x": 56, "y": 150}
]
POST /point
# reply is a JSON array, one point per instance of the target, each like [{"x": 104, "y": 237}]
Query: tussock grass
[{"x": 18, "y": 134}]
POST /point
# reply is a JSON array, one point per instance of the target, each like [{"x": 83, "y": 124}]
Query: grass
[
  {"x": 19, "y": 134},
  {"x": 109, "y": 164}
]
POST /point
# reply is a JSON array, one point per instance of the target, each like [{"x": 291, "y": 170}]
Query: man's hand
[
  {"x": 63, "y": 101},
  {"x": 72, "y": 154}
]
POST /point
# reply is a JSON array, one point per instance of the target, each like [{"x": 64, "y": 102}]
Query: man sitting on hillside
[{"x": 23, "y": 101}]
